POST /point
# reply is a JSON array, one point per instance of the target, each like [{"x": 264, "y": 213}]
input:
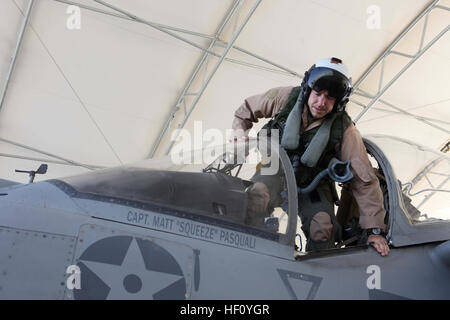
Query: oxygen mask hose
[{"x": 337, "y": 170}]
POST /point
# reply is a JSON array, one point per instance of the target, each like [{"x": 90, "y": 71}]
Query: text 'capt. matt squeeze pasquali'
[{"x": 192, "y": 229}]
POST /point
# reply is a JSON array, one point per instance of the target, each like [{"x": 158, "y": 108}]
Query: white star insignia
[{"x": 140, "y": 283}]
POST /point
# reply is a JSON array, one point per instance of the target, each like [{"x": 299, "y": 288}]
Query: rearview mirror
[{"x": 42, "y": 169}]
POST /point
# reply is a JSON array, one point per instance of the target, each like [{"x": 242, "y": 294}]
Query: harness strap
[
  {"x": 291, "y": 135},
  {"x": 318, "y": 143}
]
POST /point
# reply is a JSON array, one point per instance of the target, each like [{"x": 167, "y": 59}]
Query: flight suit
[{"x": 316, "y": 209}]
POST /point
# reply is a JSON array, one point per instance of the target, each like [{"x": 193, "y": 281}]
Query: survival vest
[{"x": 305, "y": 175}]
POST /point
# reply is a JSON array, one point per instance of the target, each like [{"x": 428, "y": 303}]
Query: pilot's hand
[
  {"x": 379, "y": 242},
  {"x": 258, "y": 198},
  {"x": 239, "y": 135},
  {"x": 242, "y": 138}
]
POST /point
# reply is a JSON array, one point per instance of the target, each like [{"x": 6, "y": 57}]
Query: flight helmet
[{"x": 332, "y": 75}]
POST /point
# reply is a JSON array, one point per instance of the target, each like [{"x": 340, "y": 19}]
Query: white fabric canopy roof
[{"x": 101, "y": 95}]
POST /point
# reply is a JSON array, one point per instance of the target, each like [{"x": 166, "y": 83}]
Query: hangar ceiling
[{"x": 91, "y": 83}]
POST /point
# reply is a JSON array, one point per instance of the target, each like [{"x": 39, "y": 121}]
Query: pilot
[{"x": 314, "y": 128}]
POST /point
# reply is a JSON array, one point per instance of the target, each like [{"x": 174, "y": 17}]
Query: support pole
[
  {"x": 16, "y": 52},
  {"x": 229, "y": 46}
]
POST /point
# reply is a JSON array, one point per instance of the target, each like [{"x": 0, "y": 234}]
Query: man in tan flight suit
[{"x": 306, "y": 115}]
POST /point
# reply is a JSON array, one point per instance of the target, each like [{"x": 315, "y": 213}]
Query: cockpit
[
  {"x": 215, "y": 185},
  {"x": 219, "y": 186}
]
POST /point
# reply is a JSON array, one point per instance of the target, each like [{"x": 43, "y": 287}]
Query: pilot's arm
[
  {"x": 365, "y": 187},
  {"x": 266, "y": 105}
]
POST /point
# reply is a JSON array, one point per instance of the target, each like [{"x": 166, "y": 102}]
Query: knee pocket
[
  {"x": 321, "y": 227},
  {"x": 258, "y": 198}
]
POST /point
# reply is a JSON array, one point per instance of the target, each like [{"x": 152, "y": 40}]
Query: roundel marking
[{"x": 124, "y": 267}]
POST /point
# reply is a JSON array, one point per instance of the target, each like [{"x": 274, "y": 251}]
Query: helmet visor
[{"x": 331, "y": 80}]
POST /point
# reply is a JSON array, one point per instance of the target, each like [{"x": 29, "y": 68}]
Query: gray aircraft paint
[
  {"x": 35, "y": 260},
  {"x": 44, "y": 230},
  {"x": 119, "y": 265}
]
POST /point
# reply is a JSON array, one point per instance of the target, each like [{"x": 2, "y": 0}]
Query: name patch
[{"x": 191, "y": 229}]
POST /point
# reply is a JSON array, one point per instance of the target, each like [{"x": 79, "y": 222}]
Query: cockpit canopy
[
  {"x": 214, "y": 194},
  {"x": 217, "y": 183},
  {"x": 193, "y": 184}
]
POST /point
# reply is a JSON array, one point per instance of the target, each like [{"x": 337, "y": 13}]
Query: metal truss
[
  {"x": 426, "y": 120},
  {"x": 63, "y": 160},
  {"x": 413, "y": 58},
  {"x": 398, "y": 111},
  {"x": 424, "y": 175},
  {"x": 216, "y": 42},
  {"x": 201, "y": 73},
  {"x": 200, "y": 69},
  {"x": 16, "y": 52},
  {"x": 446, "y": 147},
  {"x": 205, "y": 76},
  {"x": 44, "y": 160},
  {"x": 202, "y": 65},
  {"x": 2, "y": 99},
  {"x": 3, "y": 95},
  {"x": 166, "y": 29}
]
